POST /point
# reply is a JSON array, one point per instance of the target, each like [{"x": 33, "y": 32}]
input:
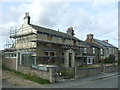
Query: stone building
[
  {"x": 38, "y": 45},
  {"x": 106, "y": 50}
]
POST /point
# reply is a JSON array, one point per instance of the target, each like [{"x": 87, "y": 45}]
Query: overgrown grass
[
  {"x": 28, "y": 76},
  {"x": 85, "y": 67}
]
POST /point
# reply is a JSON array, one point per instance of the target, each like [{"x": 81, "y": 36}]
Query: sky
[{"x": 89, "y": 16}]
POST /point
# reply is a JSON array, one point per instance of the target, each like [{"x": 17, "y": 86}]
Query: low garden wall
[
  {"x": 10, "y": 63},
  {"x": 80, "y": 73},
  {"x": 49, "y": 75},
  {"x": 110, "y": 68}
]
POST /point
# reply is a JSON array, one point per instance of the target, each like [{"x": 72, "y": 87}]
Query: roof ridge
[{"x": 54, "y": 31}]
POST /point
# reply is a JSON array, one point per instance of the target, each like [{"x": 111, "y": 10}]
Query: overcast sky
[{"x": 98, "y": 18}]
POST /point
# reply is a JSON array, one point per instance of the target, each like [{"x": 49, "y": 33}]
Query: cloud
[{"x": 87, "y": 17}]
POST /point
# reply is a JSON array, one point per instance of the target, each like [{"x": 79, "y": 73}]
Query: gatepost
[{"x": 52, "y": 75}]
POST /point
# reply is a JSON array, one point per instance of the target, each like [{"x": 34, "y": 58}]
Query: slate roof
[
  {"x": 105, "y": 43},
  {"x": 61, "y": 34},
  {"x": 53, "y": 32}
]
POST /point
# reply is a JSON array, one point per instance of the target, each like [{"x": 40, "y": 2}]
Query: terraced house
[
  {"x": 38, "y": 45},
  {"x": 106, "y": 50}
]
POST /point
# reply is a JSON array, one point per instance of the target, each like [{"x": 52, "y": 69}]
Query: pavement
[
  {"x": 95, "y": 77},
  {"x": 103, "y": 80}
]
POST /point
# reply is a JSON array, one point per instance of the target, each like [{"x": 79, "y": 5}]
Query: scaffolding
[{"x": 20, "y": 40}]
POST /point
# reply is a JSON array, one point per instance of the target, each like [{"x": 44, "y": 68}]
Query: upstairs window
[
  {"x": 52, "y": 54},
  {"x": 85, "y": 50},
  {"x": 93, "y": 50},
  {"x": 101, "y": 51},
  {"x": 74, "y": 42},
  {"x": 46, "y": 53}
]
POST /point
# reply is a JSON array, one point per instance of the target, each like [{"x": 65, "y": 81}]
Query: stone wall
[
  {"x": 10, "y": 63},
  {"x": 49, "y": 75},
  {"x": 87, "y": 72},
  {"x": 110, "y": 68},
  {"x": 80, "y": 73}
]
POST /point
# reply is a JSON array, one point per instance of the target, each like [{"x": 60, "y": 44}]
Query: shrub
[
  {"x": 110, "y": 59},
  {"x": 107, "y": 60}
]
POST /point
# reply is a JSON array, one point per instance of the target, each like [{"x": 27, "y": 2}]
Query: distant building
[{"x": 107, "y": 49}]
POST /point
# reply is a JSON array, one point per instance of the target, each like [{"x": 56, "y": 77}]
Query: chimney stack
[
  {"x": 26, "y": 18},
  {"x": 70, "y": 31},
  {"x": 89, "y": 37}
]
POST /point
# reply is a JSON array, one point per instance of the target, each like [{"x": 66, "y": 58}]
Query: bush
[
  {"x": 109, "y": 60},
  {"x": 118, "y": 61}
]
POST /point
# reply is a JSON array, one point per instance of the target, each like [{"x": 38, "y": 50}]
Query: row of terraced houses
[{"x": 39, "y": 45}]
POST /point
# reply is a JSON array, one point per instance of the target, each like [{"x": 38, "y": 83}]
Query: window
[
  {"x": 74, "y": 42},
  {"x": 52, "y": 54},
  {"x": 101, "y": 51},
  {"x": 90, "y": 61},
  {"x": 85, "y": 50},
  {"x": 46, "y": 53},
  {"x": 10, "y": 55},
  {"x": 93, "y": 50}
]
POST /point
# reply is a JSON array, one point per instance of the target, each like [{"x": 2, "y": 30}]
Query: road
[
  {"x": 104, "y": 80},
  {"x": 108, "y": 81}
]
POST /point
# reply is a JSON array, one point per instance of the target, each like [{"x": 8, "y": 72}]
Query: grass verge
[{"x": 28, "y": 76}]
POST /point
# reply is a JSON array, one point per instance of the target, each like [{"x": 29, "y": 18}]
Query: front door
[{"x": 69, "y": 57}]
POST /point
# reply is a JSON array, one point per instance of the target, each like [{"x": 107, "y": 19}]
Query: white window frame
[
  {"x": 101, "y": 51},
  {"x": 85, "y": 50},
  {"x": 9, "y": 55},
  {"x": 93, "y": 50},
  {"x": 91, "y": 60}
]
